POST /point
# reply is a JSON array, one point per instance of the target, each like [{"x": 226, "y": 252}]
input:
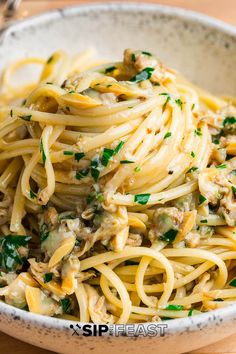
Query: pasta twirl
[{"x": 118, "y": 191}]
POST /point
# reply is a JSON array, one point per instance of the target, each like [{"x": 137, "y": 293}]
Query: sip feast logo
[
  {"x": 88, "y": 330},
  {"x": 129, "y": 330}
]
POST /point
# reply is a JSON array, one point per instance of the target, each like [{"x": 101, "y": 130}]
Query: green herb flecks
[
  {"x": 65, "y": 304},
  {"x": 133, "y": 57},
  {"x": 169, "y": 236},
  {"x": 43, "y": 232},
  {"x": 229, "y": 120},
  {"x": 192, "y": 154},
  {"x": 81, "y": 173},
  {"x": 167, "y": 135},
  {"x": 110, "y": 69},
  {"x": 27, "y": 118},
  {"x": 106, "y": 156},
  {"x": 95, "y": 172},
  {"x": 216, "y": 141},
  {"x": 42, "y": 153},
  {"x": 190, "y": 313},
  {"x": 234, "y": 191},
  {"x": 179, "y": 103},
  {"x": 233, "y": 283},
  {"x": 142, "y": 198},
  {"x": 137, "y": 169},
  {"x": 202, "y": 199},
  {"x": 68, "y": 153},
  {"x": 50, "y": 59},
  {"x": 47, "y": 277},
  {"x": 222, "y": 166},
  {"x": 175, "y": 307},
  {"x": 204, "y": 221},
  {"x": 168, "y": 98},
  {"x": 32, "y": 194},
  {"x": 79, "y": 156},
  {"x": 198, "y": 132},
  {"x": 118, "y": 148},
  {"x": 145, "y": 74},
  {"x": 10, "y": 258},
  {"x": 123, "y": 162},
  {"x": 192, "y": 169},
  {"x": 147, "y": 53}
]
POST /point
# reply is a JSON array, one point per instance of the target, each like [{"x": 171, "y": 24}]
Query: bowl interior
[{"x": 202, "y": 49}]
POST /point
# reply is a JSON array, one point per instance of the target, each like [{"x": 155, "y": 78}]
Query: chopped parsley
[
  {"x": 118, "y": 148},
  {"x": 32, "y": 194},
  {"x": 193, "y": 106},
  {"x": 50, "y": 59},
  {"x": 42, "y": 153},
  {"x": 133, "y": 57},
  {"x": 229, "y": 120},
  {"x": 169, "y": 236},
  {"x": 142, "y": 198},
  {"x": 137, "y": 169},
  {"x": 47, "y": 277},
  {"x": 68, "y": 153},
  {"x": 221, "y": 166},
  {"x": 174, "y": 307},
  {"x": 43, "y": 232},
  {"x": 233, "y": 283},
  {"x": 95, "y": 174},
  {"x": 65, "y": 304},
  {"x": 94, "y": 169},
  {"x": 168, "y": 98},
  {"x": 202, "y": 199},
  {"x": 167, "y": 135},
  {"x": 147, "y": 53},
  {"x": 190, "y": 313},
  {"x": 106, "y": 156},
  {"x": 27, "y": 117},
  {"x": 11, "y": 113},
  {"x": 145, "y": 74},
  {"x": 192, "y": 169},
  {"x": 192, "y": 153},
  {"x": 81, "y": 173},
  {"x": 9, "y": 255},
  {"x": 203, "y": 221},
  {"x": 179, "y": 102},
  {"x": 110, "y": 69},
  {"x": 198, "y": 132},
  {"x": 234, "y": 190},
  {"x": 79, "y": 156},
  {"x": 78, "y": 243},
  {"x": 216, "y": 141},
  {"x": 72, "y": 91},
  {"x": 126, "y": 161}
]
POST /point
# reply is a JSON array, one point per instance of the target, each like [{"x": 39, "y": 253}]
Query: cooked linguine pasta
[{"x": 118, "y": 191}]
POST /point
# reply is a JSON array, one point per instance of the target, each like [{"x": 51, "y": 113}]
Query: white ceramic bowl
[{"x": 204, "y": 50}]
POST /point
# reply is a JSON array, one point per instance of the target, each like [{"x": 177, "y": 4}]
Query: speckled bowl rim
[{"x": 177, "y": 325}]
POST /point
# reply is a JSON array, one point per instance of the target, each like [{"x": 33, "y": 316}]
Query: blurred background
[{"x": 222, "y": 9}]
